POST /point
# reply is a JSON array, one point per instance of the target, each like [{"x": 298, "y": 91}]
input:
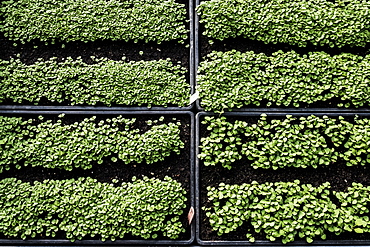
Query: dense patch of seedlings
[
  {"x": 86, "y": 20},
  {"x": 234, "y": 79},
  {"x": 288, "y": 210},
  {"x": 80, "y": 208},
  {"x": 302, "y": 22},
  {"x": 291, "y": 142},
  {"x": 147, "y": 83},
  {"x": 68, "y": 146}
]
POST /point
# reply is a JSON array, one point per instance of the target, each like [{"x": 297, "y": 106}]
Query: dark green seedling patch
[
  {"x": 108, "y": 82},
  {"x": 234, "y": 79},
  {"x": 69, "y": 146},
  {"x": 85, "y": 20},
  {"x": 302, "y": 22},
  {"x": 291, "y": 142},
  {"x": 80, "y": 208},
  {"x": 288, "y": 210}
]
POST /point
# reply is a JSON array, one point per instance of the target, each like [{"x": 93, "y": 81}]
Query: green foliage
[
  {"x": 68, "y": 146},
  {"x": 353, "y": 138},
  {"x": 86, "y": 20},
  {"x": 290, "y": 142},
  {"x": 233, "y": 79},
  {"x": 301, "y": 22},
  {"x": 157, "y": 83},
  {"x": 84, "y": 207},
  {"x": 288, "y": 210}
]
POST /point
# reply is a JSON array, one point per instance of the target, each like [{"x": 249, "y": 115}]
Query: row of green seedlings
[
  {"x": 147, "y": 208},
  {"x": 38, "y": 142},
  {"x": 302, "y": 22},
  {"x": 288, "y": 210},
  {"x": 289, "y": 142},
  {"x": 108, "y": 82},
  {"x": 234, "y": 79},
  {"x": 84, "y": 20}
]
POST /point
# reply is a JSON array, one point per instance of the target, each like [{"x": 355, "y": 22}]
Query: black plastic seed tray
[
  {"x": 224, "y": 175},
  {"x": 186, "y": 156},
  {"x": 198, "y": 58},
  {"x": 191, "y": 77}
]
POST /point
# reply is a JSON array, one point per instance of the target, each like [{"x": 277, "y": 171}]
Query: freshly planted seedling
[
  {"x": 81, "y": 208},
  {"x": 301, "y": 22},
  {"x": 68, "y": 146},
  {"x": 234, "y": 79},
  {"x": 86, "y": 20},
  {"x": 288, "y": 210},
  {"x": 143, "y": 83},
  {"x": 291, "y": 142}
]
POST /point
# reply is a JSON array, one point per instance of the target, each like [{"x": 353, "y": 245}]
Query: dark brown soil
[
  {"x": 115, "y": 50},
  {"x": 339, "y": 175},
  {"x": 174, "y": 166},
  {"x": 243, "y": 45}
]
